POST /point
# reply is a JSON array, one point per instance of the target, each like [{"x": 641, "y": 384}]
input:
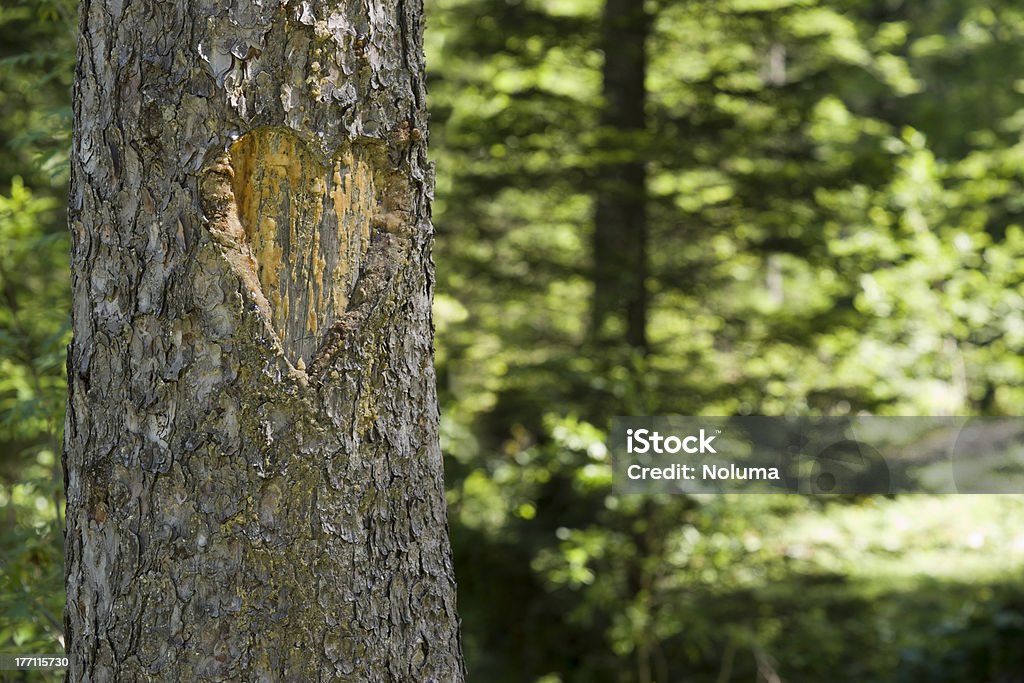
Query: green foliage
[
  {"x": 833, "y": 199},
  {"x": 36, "y": 57},
  {"x": 33, "y": 337},
  {"x": 37, "y": 52}
]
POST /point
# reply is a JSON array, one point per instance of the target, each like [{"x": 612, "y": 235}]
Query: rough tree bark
[
  {"x": 619, "y": 308},
  {"x": 252, "y": 465}
]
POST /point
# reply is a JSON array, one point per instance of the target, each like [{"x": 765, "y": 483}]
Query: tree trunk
[
  {"x": 619, "y": 309},
  {"x": 252, "y": 465}
]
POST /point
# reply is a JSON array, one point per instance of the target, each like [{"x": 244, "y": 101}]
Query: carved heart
[{"x": 306, "y": 223}]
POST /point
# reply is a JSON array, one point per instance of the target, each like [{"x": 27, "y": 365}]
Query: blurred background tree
[{"x": 653, "y": 207}]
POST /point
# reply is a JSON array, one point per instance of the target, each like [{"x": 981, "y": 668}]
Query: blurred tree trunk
[
  {"x": 619, "y": 309},
  {"x": 252, "y": 465}
]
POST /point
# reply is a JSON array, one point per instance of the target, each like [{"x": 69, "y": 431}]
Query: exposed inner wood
[{"x": 308, "y": 225}]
